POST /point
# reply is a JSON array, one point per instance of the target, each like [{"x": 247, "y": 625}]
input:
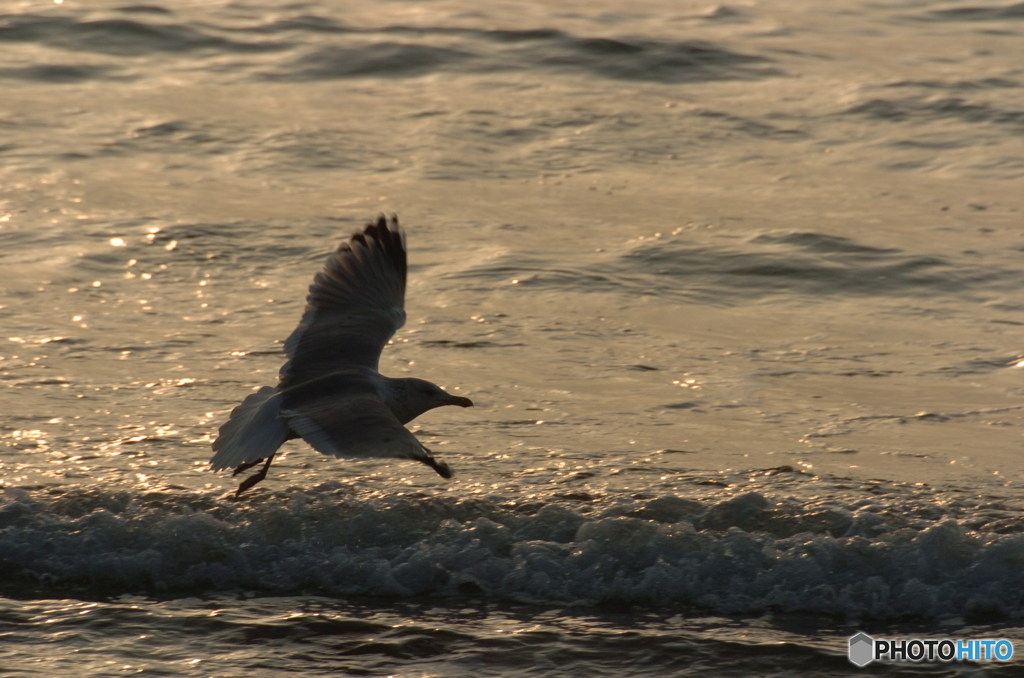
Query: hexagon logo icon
[{"x": 862, "y": 649}]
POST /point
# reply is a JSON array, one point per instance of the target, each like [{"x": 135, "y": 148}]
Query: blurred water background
[{"x": 736, "y": 289}]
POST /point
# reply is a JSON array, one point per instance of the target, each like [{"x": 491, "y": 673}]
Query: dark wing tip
[
  {"x": 382, "y": 229},
  {"x": 387, "y": 234},
  {"x": 442, "y": 468}
]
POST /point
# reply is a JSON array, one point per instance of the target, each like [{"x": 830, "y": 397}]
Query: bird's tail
[{"x": 254, "y": 430}]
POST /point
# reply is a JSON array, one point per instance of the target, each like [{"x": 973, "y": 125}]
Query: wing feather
[
  {"x": 357, "y": 426},
  {"x": 355, "y": 304}
]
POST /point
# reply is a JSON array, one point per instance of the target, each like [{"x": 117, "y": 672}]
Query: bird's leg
[
  {"x": 246, "y": 465},
  {"x": 260, "y": 475}
]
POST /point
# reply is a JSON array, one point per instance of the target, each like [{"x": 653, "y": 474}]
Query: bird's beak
[{"x": 461, "y": 402}]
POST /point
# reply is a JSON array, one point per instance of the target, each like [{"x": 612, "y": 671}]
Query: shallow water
[{"x": 735, "y": 290}]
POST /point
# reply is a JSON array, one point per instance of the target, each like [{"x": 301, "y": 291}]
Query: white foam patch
[{"x": 744, "y": 555}]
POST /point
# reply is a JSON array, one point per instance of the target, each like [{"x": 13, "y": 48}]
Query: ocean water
[{"x": 736, "y": 290}]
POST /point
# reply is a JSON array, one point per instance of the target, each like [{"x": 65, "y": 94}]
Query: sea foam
[{"x": 743, "y": 555}]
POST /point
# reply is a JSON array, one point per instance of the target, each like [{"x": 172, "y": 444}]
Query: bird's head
[
  {"x": 412, "y": 397},
  {"x": 435, "y": 395}
]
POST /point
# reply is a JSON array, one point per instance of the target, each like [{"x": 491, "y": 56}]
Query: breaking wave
[{"x": 747, "y": 554}]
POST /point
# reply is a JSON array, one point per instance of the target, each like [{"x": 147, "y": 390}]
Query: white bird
[{"x": 329, "y": 392}]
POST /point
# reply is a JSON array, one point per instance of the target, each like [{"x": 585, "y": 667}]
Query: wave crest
[{"x": 746, "y": 554}]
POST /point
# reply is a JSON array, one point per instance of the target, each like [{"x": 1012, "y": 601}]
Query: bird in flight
[{"x": 329, "y": 391}]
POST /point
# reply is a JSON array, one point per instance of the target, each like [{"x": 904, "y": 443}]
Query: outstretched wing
[
  {"x": 354, "y": 306},
  {"x": 359, "y": 426}
]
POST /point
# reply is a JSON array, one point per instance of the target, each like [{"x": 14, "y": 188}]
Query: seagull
[{"x": 329, "y": 392}]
